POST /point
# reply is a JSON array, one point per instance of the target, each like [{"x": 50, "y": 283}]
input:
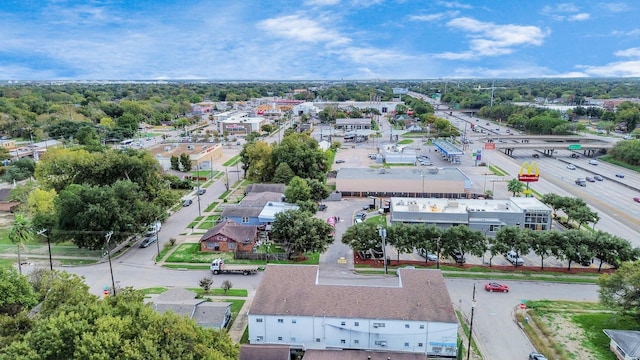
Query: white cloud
[
  {"x": 631, "y": 52},
  {"x": 615, "y": 69},
  {"x": 563, "y": 11},
  {"x": 579, "y": 17},
  {"x": 489, "y": 39},
  {"x": 302, "y": 29},
  {"x": 631, "y": 33},
  {"x": 434, "y": 17},
  {"x": 454, "y": 4},
  {"x": 614, "y": 7},
  {"x": 321, "y": 2}
]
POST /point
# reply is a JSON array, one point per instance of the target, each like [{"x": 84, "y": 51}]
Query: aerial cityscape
[{"x": 321, "y": 179}]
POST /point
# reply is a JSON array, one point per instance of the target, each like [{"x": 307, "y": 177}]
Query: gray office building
[{"x": 487, "y": 216}]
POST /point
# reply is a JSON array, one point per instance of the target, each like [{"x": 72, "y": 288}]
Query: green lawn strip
[
  {"x": 164, "y": 252},
  {"x": 71, "y": 262},
  {"x": 186, "y": 266},
  {"x": 219, "y": 292},
  {"x": 497, "y": 170},
  {"x": 405, "y": 142},
  {"x": 245, "y": 336},
  {"x": 465, "y": 329},
  {"x": 611, "y": 160},
  {"x": 232, "y": 161},
  {"x": 525, "y": 277},
  {"x": 224, "y": 194},
  {"x": 212, "y": 206},
  {"x": 154, "y": 290},
  {"x": 5, "y": 263},
  {"x": 206, "y": 225}
]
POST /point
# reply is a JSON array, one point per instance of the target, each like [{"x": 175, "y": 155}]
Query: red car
[{"x": 493, "y": 287}]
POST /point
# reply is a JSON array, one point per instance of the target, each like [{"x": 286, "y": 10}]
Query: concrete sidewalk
[{"x": 241, "y": 321}]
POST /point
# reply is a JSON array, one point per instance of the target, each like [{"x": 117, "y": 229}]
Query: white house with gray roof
[{"x": 291, "y": 307}]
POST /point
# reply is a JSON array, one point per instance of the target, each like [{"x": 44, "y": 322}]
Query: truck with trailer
[{"x": 218, "y": 266}]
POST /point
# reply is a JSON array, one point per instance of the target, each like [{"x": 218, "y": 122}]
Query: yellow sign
[
  {"x": 529, "y": 172},
  {"x": 342, "y": 260}
]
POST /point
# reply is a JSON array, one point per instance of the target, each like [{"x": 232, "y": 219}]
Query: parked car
[
  {"x": 149, "y": 240},
  {"x": 322, "y": 207},
  {"x": 513, "y": 258},
  {"x": 458, "y": 257},
  {"x": 361, "y": 216},
  {"x": 571, "y": 167},
  {"x": 202, "y": 191},
  {"x": 340, "y": 161},
  {"x": 598, "y": 178},
  {"x": 495, "y": 287},
  {"x": 537, "y": 356},
  {"x": 426, "y": 163},
  {"x": 187, "y": 202},
  {"x": 621, "y": 176},
  {"x": 427, "y": 255}
]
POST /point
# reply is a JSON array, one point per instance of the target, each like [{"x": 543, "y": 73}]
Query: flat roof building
[
  {"x": 483, "y": 215},
  {"x": 404, "y": 182}
]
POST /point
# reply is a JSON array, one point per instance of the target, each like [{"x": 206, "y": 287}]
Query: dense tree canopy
[
  {"x": 299, "y": 232},
  {"x": 72, "y": 324}
]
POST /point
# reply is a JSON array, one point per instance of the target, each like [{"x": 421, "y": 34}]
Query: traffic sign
[{"x": 575, "y": 147}]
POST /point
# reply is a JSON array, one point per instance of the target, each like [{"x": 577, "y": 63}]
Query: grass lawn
[
  {"x": 212, "y": 206},
  {"x": 232, "y": 161},
  {"x": 405, "y": 142},
  {"x": 5, "y": 263}
]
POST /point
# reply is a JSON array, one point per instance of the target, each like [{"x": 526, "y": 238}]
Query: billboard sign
[
  {"x": 529, "y": 172},
  {"x": 400, "y": 90}
]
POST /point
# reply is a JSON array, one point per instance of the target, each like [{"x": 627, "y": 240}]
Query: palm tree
[
  {"x": 515, "y": 186},
  {"x": 19, "y": 234}
]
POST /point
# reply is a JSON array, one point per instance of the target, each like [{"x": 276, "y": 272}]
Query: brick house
[{"x": 229, "y": 236}]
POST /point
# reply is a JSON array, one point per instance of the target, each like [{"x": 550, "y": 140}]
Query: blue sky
[{"x": 317, "y": 39}]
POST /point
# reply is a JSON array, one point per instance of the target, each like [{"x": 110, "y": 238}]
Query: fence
[{"x": 260, "y": 256}]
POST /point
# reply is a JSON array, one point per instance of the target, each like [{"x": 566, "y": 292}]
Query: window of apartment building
[
  {"x": 317, "y": 339},
  {"x": 259, "y": 338},
  {"x": 406, "y": 326},
  {"x": 420, "y": 344},
  {"x": 245, "y": 220},
  {"x": 343, "y": 323},
  {"x": 494, "y": 227},
  {"x": 421, "y": 326},
  {"x": 293, "y": 339},
  {"x": 280, "y": 321},
  {"x": 293, "y": 321},
  {"x": 343, "y": 341},
  {"x": 258, "y": 320},
  {"x": 279, "y": 338},
  {"x": 356, "y": 341},
  {"x": 406, "y": 344},
  {"x": 377, "y": 325},
  {"x": 357, "y": 323},
  {"x": 380, "y": 343}
]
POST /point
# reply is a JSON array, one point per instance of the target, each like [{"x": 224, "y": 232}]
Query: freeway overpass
[{"x": 590, "y": 148}]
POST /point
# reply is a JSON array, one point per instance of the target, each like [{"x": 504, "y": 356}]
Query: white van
[{"x": 593, "y": 162}]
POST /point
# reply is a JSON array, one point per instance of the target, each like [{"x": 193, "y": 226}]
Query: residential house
[
  {"x": 247, "y": 212},
  {"x": 265, "y": 352},
  {"x": 229, "y": 236},
  {"x": 208, "y": 314},
  {"x": 292, "y": 308},
  {"x": 624, "y": 343},
  {"x": 255, "y": 188}
]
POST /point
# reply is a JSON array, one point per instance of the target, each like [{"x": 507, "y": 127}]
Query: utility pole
[
  {"x": 473, "y": 307},
  {"x": 44, "y": 232},
  {"x": 108, "y": 239}
]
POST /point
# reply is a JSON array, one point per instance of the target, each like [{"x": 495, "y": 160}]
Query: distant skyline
[{"x": 317, "y": 39}]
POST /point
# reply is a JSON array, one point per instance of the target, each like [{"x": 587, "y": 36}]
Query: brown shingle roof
[
  {"x": 312, "y": 354},
  {"x": 256, "y": 188},
  {"x": 232, "y": 230},
  {"x": 264, "y": 352},
  {"x": 421, "y": 296}
]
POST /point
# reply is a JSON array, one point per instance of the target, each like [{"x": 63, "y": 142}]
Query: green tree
[
  {"x": 514, "y": 186},
  {"x": 362, "y": 237},
  {"x": 298, "y": 232},
  {"x": 463, "y": 239},
  {"x": 19, "y": 234},
  {"x": 297, "y": 190},
  {"x": 303, "y": 155},
  {"x": 185, "y": 162},
  {"x": 428, "y": 238},
  {"x": 175, "y": 163},
  {"x": 283, "y": 174},
  {"x": 16, "y": 291},
  {"x": 318, "y": 190},
  {"x": 19, "y": 170},
  {"x": 621, "y": 289}
]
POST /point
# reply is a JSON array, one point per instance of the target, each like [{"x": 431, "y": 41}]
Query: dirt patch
[{"x": 560, "y": 330}]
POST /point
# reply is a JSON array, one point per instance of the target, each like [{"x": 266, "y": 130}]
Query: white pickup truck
[{"x": 218, "y": 266}]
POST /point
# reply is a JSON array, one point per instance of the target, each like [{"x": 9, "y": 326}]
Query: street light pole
[
  {"x": 155, "y": 226},
  {"x": 44, "y": 232},
  {"x": 473, "y": 307},
  {"x": 383, "y": 234},
  {"x": 108, "y": 239},
  {"x": 198, "y": 187}
]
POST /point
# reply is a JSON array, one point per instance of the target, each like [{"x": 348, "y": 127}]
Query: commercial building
[
  {"x": 292, "y": 308},
  {"x": 487, "y": 216},
  {"x": 449, "y": 183},
  {"x": 202, "y": 155}
]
